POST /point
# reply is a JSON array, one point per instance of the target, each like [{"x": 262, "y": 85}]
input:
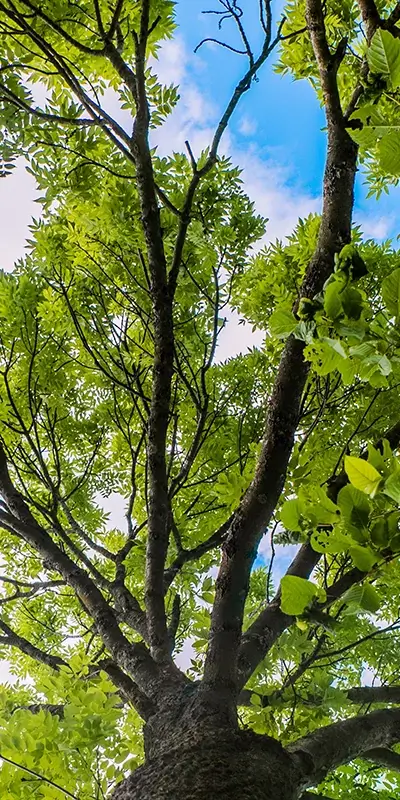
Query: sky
[{"x": 276, "y": 137}]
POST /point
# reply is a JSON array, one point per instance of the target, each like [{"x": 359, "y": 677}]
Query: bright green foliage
[
  {"x": 90, "y": 740},
  {"x": 384, "y": 57},
  {"x": 297, "y": 594},
  {"x": 362, "y": 475},
  {"x": 76, "y": 354}
]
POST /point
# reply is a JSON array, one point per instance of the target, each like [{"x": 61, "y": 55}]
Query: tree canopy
[{"x": 110, "y": 388}]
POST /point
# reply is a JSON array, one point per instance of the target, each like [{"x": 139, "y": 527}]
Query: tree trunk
[{"x": 225, "y": 765}]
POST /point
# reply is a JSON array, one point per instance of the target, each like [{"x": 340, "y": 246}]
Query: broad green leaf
[
  {"x": 374, "y": 126},
  {"x": 384, "y": 56},
  {"x": 375, "y": 457},
  {"x": 255, "y": 700},
  {"x": 332, "y": 302},
  {"x": 362, "y": 475},
  {"x": 392, "y": 486},
  {"x": 370, "y": 600},
  {"x": 389, "y": 153},
  {"x": 336, "y": 345},
  {"x": 330, "y": 541},
  {"x": 355, "y": 508},
  {"x": 364, "y": 596},
  {"x": 290, "y": 515},
  {"x": 379, "y": 533},
  {"x": 391, "y": 292},
  {"x": 353, "y": 596},
  {"x": 296, "y": 594},
  {"x": 282, "y": 323},
  {"x": 363, "y": 557},
  {"x": 352, "y": 302}
]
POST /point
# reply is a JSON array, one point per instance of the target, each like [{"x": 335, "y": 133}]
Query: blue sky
[{"x": 279, "y": 119}]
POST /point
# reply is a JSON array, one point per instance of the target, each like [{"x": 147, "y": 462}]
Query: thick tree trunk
[{"x": 237, "y": 765}]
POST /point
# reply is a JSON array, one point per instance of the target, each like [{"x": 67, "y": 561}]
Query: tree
[{"x": 109, "y": 386}]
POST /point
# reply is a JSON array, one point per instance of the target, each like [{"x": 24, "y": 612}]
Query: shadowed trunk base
[{"x": 220, "y": 766}]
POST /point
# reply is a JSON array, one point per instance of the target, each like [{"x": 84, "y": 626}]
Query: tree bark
[{"x": 234, "y": 765}]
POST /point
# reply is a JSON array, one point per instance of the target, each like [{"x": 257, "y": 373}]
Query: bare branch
[
  {"x": 158, "y": 500},
  {"x": 370, "y": 16},
  {"x": 383, "y": 757},
  {"x": 326, "y": 748},
  {"x": 327, "y": 62}
]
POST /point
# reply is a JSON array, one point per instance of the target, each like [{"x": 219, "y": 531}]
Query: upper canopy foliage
[{"x": 111, "y": 395}]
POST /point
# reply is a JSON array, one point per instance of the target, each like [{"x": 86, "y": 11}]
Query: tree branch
[
  {"x": 322, "y": 751},
  {"x": 128, "y": 689},
  {"x": 39, "y": 777},
  {"x": 370, "y": 17},
  {"x": 134, "y": 658},
  {"x": 383, "y": 757},
  {"x": 158, "y": 500},
  {"x": 60, "y": 30},
  {"x": 258, "y": 639},
  {"x": 185, "y": 556},
  {"x": 259, "y": 502},
  {"x": 328, "y": 63},
  {"x": 12, "y": 639},
  {"x": 359, "y": 695}
]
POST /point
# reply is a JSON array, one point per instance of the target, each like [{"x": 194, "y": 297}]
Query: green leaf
[
  {"x": 330, "y": 542},
  {"x": 255, "y": 700},
  {"x": 392, "y": 486},
  {"x": 355, "y": 508},
  {"x": 296, "y": 594},
  {"x": 389, "y": 153},
  {"x": 282, "y": 323},
  {"x": 353, "y": 596},
  {"x": 384, "y": 56},
  {"x": 352, "y": 302},
  {"x": 290, "y": 515},
  {"x": 362, "y": 475},
  {"x": 363, "y": 596},
  {"x": 332, "y": 302},
  {"x": 370, "y": 600},
  {"x": 375, "y": 457},
  {"x": 379, "y": 533},
  {"x": 363, "y": 557},
  {"x": 336, "y": 345},
  {"x": 391, "y": 292}
]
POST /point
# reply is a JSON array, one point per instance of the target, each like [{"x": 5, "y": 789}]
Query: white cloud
[
  {"x": 247, "y": 126},
  {"x": 5, "y": 675},
  {"x": 267, "y": 184},
  {"x": 375, "y": 227},
  {"x": 170, "y": 64},
  {"x": 236, "y": 337},
  {"x": 17, "y": 207}
]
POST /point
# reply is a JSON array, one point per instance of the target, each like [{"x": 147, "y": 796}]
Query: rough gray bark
[{"x": 229, "y": 766}]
